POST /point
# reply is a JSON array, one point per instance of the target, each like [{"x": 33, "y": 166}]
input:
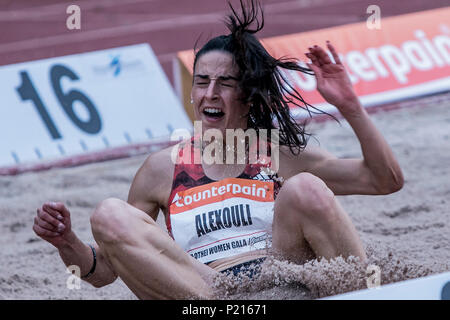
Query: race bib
[{"x": 223, "y": 218}]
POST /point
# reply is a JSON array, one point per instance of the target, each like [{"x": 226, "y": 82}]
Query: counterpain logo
[
  {"x": 420, "y": 53},
  {"x": 219, "y": 191}
]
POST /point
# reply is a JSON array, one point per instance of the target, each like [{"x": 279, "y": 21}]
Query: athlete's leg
[
  {"x": 145, "y": 257},
  {"x": 309, "y": 222}
]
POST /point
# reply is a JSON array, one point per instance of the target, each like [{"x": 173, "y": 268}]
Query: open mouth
[{"x": 214, "y": 113}]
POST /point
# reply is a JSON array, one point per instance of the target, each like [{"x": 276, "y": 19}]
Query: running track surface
[{"x": 36, "y": 29}]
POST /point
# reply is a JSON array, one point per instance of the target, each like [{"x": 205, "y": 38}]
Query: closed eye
[
  {"x": 223, "y": 81},
  {"x": 201, "y": 83}
]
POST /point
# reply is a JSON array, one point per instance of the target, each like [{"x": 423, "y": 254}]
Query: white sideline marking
[{"x": 426, "y": 288}]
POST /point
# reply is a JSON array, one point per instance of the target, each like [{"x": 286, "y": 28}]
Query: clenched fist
[{"x": 52, "y": 223}]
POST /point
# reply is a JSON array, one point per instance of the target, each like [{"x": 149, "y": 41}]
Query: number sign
[{"x": 82, "y": 103}]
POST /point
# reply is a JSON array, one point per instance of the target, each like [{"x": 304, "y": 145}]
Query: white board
[
  {"x": 434, "y": 287},
  {"x": 82, "y": 103}
]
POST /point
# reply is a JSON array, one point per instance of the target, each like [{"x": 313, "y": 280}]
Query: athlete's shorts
[{"x": 250, "y": 268}]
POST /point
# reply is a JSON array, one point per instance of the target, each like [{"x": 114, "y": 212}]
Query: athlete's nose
[{"x": 212, "y": 90}]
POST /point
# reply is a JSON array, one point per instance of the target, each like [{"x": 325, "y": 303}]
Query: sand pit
[{"x": 407, "y": 234}]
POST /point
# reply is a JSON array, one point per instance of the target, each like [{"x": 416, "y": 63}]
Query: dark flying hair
[{"x": 260, "y": 79}]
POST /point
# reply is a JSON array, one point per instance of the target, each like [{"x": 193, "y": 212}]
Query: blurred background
[
  {"x": 408, "y": 233},
  {"x": 36, "y": 29}
]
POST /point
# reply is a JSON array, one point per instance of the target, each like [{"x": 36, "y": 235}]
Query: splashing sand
[
  {"x": 283, "y": 280},
  {"x": 407, "y": 234}
]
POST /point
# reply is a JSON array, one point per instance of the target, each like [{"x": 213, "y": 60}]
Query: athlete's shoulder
[
  {"x": 153, "y": 180},
  {"x": 163, "y": 159},
  {"x": 160, "y": 165}
]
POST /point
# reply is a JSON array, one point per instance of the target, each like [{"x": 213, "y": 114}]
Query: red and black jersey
[{"x": 188, "y": 174}]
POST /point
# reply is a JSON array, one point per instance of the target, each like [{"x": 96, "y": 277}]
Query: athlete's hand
[
  {"x": 52, "y": 223},
  {"x": 332, "y": 79}
]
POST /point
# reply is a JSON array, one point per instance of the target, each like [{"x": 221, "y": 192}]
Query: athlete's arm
[
  {"x": 53, "y": 224},
  {"x": 152, "y": 183},
  {"x": 378, "y": 172}
]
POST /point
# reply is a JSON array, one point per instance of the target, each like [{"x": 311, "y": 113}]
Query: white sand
[{"x": 412, "y": 224}]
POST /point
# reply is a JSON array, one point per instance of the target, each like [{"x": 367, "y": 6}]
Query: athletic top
[{"x": 213, "y": 219}]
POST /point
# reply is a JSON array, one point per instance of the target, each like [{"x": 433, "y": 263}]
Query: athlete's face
[{"x": 216, "y": 94}]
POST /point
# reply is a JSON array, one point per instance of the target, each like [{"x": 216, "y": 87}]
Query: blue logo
[{"x": 115, "y": 65}]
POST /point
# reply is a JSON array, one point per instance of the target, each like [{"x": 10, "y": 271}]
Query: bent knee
[
  {"x": 107, "y": 210},
  {"x": 310, "y": 195},
  {"x": 108, "y": 221}
]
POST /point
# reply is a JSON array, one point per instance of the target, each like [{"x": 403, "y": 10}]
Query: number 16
[{"x": 27, "y": 91}]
